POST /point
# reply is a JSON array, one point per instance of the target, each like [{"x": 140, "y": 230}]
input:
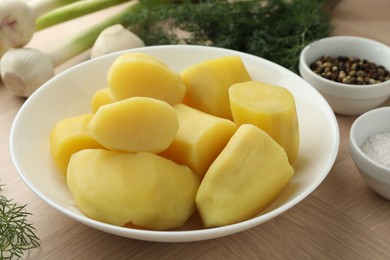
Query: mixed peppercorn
[{"x": 350, "y": 70}]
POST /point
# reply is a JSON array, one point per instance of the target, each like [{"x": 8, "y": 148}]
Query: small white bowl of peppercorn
[
  {"x": 370, "y": 149},
  {"x": 351, "y": 73}
]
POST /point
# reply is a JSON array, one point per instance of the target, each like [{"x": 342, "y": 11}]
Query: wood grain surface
[{"x": 342, "y": 219}]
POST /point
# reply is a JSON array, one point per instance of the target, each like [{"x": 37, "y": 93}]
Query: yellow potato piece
[
  {"x": 68, "y": 136},
  {"x": 208, "y": 83},
  {"x": 137, "y": 124},
  {"x": 201, "y": 137},
  {"x": 139, "y": 74},
  {"x": 144, "y": 189},
  {"x": 101, "y": 97},
  {"x": 271, "y": 108},
  {"x": 244, "y": 179}
]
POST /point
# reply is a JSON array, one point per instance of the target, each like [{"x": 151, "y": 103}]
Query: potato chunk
[
  {"x": 139, "y": 74},
  {"x": 137, "y": 124},
  {"x": 208, "y": 83},
  {"x": 271, "y": 108},
  {"x": 201, "y": 137},
  {"x": 68, "y": 136},
  {"x": 101, "y": 97},
  {"x": 244, "y": 179},
  {"x": 144, "y": 189}
]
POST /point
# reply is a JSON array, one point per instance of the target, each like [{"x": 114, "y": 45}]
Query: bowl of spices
[
  {"x": 370, "y": 149},
  {"x": 351, "y": 73}
]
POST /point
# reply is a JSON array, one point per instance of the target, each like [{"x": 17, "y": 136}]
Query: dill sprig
[
  {"x": 17, "y": 234},
  {"x": 276, "y": 30}
]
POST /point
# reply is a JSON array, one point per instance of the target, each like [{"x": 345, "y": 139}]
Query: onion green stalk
[
  {"x": 17, "y": 19},
  {"x": 85, "y": 39},
  {"x": 72, "y": 11},
  {"x": 24, "y": 70},
  {"x": 41, "y": 7}
]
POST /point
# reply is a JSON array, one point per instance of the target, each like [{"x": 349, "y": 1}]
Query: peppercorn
[{"x": 350, "y": 70}]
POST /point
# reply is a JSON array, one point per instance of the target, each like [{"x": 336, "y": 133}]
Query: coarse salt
[{"x": 377, "y": 147}]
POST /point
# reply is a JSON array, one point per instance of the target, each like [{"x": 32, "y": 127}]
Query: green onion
[
  {"x": 85, "y": 39},
  {"x": 115, "y": 38},
  {"x": 41, "y": 7},
  {"x": 17, "y": 19},
  {"x": 72, "y": 11},
  {"x": 24, "y": 70}
]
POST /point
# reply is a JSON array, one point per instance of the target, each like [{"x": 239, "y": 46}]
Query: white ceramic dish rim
[
  {"x": 375, "y": 90},
  {"x": 185, "y": 235}
]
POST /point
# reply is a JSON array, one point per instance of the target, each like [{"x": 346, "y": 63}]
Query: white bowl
[
  {"x": 347, "y": 99},
  {"x": 69, "y": 93},
  {"x": 377, "y": 176}
]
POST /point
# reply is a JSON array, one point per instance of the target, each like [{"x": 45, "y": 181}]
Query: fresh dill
[
  {"x": 17, "y": 234},
  {"x": 276, "y": 30}
]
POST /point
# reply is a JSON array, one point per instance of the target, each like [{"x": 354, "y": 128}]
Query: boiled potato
[
  {"x": 271, "y": 108},
  {"x": 208, "y": 83},
  {"x": 137, "y": 124},
  {"x": 144, "y": 189},
  {"x": 161, "y": 145},
  {"x": 244, "y": 179},
  {"x": 101, "y": 97},
  {"x": 201, "y": 137},
  {"x": 68, "y": 136},
  {"x": 138, "y": 74}
]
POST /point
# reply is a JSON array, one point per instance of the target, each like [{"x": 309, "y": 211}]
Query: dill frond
[
  {"x": 17, "y": 234},
  {"x": 276, "y": 30}
]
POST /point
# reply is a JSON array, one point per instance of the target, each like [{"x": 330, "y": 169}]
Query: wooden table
[{"x": 341, "y": 219}]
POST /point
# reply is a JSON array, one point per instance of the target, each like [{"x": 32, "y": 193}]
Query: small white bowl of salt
[{"x": 370, "y": 149}]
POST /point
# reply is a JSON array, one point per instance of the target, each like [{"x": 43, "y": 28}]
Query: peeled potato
[
  {"x": 244, "y": 179},
  {"x": 201, "y": 137},
  {"x": 145, "y": 189},
  {"x": 161, "y": 145},
  {"x": 139, "y": 74},
  {"x": 101, "y": 97},
  {"x": 269, "y": 107},
  {"x": 208, "y": 83},
  {"x": 68, "y": 136},
  {"x": 137, "y": 124}
]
